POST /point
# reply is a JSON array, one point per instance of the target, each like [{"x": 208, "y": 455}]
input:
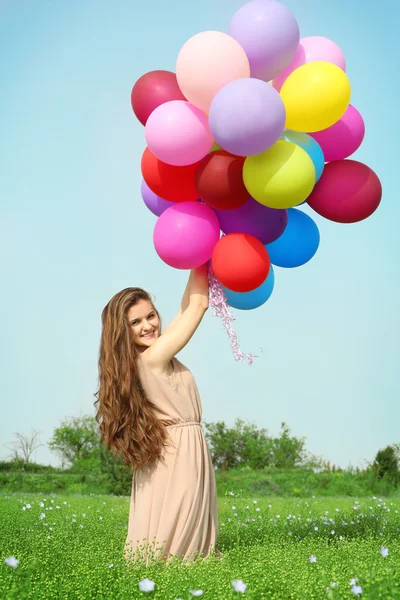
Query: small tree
[
  {"x": 386, "y": 463},
  {"x": 24, "y": 446},
  {"x": 117, "y": 476},
  {"x": 288, "y": 452},
  {"x": 223, "y": 445},
  {"x": 255, "y": 447},
  {"x": 244, "y": 444},
  {"x": 77, "y": 438}
]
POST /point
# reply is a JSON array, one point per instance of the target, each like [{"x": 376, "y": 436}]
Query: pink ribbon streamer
[{"x": 217, "y": 300}]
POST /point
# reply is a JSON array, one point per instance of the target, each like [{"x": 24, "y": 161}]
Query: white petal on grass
[
  {"x": 146, "y": 585},
  {"x": 11, "y": 561},
  {"x": 384, "y": 551},
  {"x": 313, "y": 558},
  {"x": 357, "y": 590},
  {"x": 239, "y": 585},
  {"x": 196, "y": 592}
]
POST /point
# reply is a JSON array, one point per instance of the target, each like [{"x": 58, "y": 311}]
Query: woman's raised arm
[{"x": 180, "y": 331}]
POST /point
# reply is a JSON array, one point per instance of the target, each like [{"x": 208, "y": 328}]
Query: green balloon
[{"x": 281, "y": 177}]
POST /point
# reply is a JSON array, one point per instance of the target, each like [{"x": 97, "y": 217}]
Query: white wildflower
[
  {"x": 146, "y": 585},
  {"x": 239, "y": 586},
  {"x": 356, "y": 589},
  {"x": 11, "y": 561},
  {"x": 313, "y": 558}
]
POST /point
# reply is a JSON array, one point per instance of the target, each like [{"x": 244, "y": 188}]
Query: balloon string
[{"x": 217, "y": 300}]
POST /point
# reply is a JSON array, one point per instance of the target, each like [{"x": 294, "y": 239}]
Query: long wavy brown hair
[{"x": 128, "y": 425}]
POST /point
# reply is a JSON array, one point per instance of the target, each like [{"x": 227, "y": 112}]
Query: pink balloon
[
  {"x": 185, "y": 235},
  {"x": 343, "y": 137},
  {"x": 311, "y": 49},
  {"x": 178, "y": 133},
  {"x": 206, "y": 63}
]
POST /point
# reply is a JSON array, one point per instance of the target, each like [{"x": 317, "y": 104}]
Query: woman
[{"x": 149, "y": 412}]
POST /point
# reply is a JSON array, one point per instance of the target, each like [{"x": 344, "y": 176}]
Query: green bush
[
  {"x": 245, "y": 444},
  {"x": 87, "y": 464},
  {"x": 117, "y": 476},
  {"x": 386, "y": 465}
]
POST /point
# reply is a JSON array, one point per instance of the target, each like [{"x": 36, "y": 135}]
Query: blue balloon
[
  {"x": 310, "y": 145},
  {"x": 254, "y": 298},
  {"x": 297, "y": 244}
]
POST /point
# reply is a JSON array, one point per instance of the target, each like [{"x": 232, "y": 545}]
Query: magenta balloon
[
  {"x": 343, "y": 138},
  {"x": 264, "y": 223},
  {"x": 153, "y": 202},
  {"x": 185, "y": 235},
  {"x": 269, "y": 34},
  {"x": 247, "y": 116}
]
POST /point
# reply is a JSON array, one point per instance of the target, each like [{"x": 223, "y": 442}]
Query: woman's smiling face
[{"x": 145, "y": 324}]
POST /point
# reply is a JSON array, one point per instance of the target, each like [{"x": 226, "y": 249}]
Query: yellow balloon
[
  {"x": 281, "y": 177},
  {"x": 315, "y": 95}
]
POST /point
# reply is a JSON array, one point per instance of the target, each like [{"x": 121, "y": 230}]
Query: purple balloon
[
  {"x": 262, "y": 222},
  {"x": 153, "y": 202},
  {"x": 247, "y": 116},
  {"x": 268, "y": 33}
]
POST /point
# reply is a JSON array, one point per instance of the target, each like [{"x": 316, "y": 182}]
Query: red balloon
[
  {"x": 219, "y": 180},
  {"x": 152, "y": 90},
  {"x": 348, "y": 191},
  {"x": 169, "y": 182},
  {"x": 240, "y": 262}
]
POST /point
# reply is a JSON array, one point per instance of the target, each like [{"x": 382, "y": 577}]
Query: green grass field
[{"x": 71, "y": 547}]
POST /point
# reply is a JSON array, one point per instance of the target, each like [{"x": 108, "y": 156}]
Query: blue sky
[{"x": 74, "y": 231}]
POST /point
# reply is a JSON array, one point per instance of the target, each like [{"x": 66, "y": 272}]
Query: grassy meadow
[{"x": 58, "y": 546}]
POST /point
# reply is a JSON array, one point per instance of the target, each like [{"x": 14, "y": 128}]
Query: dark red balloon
[
  {"x": 240, "y": 262},
  {"x": 347, "y": 192},
  {"x": 152, "y": 90},
  {"x": 219, "y": 180},
  {"x": 169, "y": 182}
]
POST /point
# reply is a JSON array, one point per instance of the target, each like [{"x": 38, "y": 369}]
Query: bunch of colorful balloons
[{"x": 253, "y": 123}]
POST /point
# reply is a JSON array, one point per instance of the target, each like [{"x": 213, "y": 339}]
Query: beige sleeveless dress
[{"x": 173, "y": 505}]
